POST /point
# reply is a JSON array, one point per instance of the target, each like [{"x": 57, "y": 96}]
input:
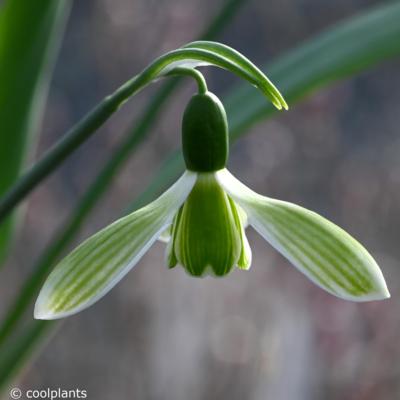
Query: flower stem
[{"x": 195, "y": 74}]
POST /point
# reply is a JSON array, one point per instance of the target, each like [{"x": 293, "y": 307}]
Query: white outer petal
[
  {"x": 325, "y": 253},
  {"x": 108, "y": 255}
]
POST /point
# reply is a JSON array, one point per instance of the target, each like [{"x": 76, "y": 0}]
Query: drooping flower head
[
  {"x": 203, "y": 217},
  {"x": 207, "y": 235}
]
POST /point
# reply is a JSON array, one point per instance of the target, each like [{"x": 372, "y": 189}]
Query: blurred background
[{"x": 263, "y": 334}]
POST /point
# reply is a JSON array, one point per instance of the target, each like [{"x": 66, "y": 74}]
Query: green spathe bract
[{"x": 205, "y": 133}]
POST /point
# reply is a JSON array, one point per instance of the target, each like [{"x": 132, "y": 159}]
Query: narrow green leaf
[{"x": 30, "y": 33}]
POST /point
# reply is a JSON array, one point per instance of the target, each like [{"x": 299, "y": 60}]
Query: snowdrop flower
[{"x": 205, "y": 214}]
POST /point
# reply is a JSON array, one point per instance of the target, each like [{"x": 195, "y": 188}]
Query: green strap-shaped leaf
[
  {"x": 99, "y": 263},
  {"x": 325, "y": 253},
  {"x": 30, "y": 32},
  {"x": 257, "y": 77}
]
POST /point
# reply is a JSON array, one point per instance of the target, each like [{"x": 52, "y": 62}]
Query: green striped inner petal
[
  {"x": 207, "y": 234},
  {"x": 325, "y": 253},
  {"x": 99, "y": 263}
]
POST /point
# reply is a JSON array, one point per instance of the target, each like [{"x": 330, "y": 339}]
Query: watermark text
[{"x": 51, "y": 394}]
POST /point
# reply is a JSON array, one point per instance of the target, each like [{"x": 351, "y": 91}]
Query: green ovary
[{"x": 207, "y": 232}]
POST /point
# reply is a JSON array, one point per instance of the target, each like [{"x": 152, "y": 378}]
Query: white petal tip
[
  {"x": 42, "y": 312},
  {"x": 374, "y": 297},
  {"x": 381, "y": 293},
  {"x": 47, "y": 315},
  {"x": 42, "y": 315}
]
